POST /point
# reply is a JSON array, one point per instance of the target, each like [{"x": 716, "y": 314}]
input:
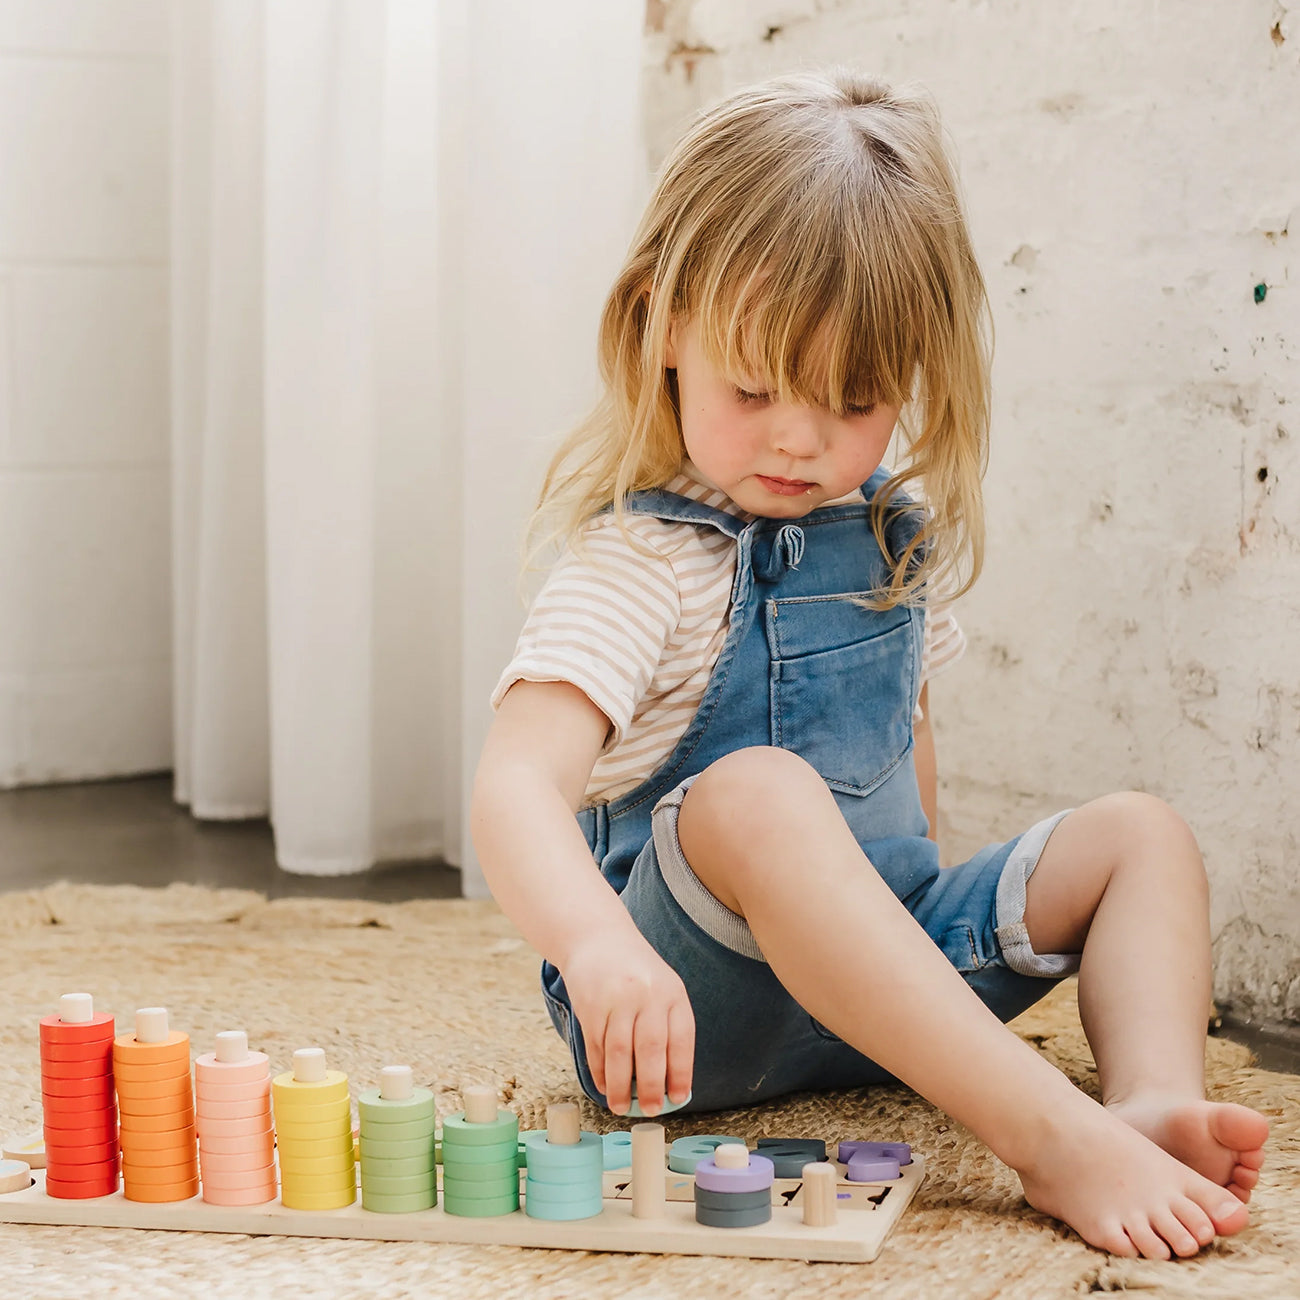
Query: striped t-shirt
[{"x": 639, "y": 628}]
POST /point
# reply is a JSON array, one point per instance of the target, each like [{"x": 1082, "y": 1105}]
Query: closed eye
[{"x": 746, "y": 398}]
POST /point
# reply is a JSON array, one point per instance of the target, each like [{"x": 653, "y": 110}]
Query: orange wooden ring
[
  {"x": 151, "y": 1107},
  {"x": 130, "y": 1051},
  {"x": 237, "y": 1146},
  {"x": 236, "y": 1179},
  {"x": 181, "y": 1171},
  {"x": 159, "y": 1157},
  {"x": 156, "y": 1089},
  {"x": 173, "y": 1119},
  {"x": 89, "y": 1153},
  {"x": 160, "y": 1141},
  {"x": 80, "y": 1191},
  {"x": 157, "y": 1195},
  {"x": 136, "y": 1075},
  {"x": 56, "y": 1032},
  {"x": 253, "y": 1196},
  {"x": 101, "y": 1068},
  {"x": 207, "y": 1069},
  {"x": 68, "y": 1053},
  {"x": 97, "y": 1085},
  {"x": 255, "y": 1089}
]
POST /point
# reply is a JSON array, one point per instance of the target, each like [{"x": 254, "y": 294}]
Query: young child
[{"x": 723, "y": 678}]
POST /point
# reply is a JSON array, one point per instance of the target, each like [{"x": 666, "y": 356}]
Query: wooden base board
[{"x": 856, "y": 1237}]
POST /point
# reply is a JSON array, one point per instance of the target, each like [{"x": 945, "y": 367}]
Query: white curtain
[{"x": 393, "y": 222}]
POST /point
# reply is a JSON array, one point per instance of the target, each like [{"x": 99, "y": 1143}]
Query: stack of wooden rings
[
  {"x": 734, "y": 1189},
  {"x": 480, "y": 1158},
  {"x": 233, "y": 1115},
  {"x": 77, "y": 1095},
  {"x": 313, "y": 1128},
  {"x": 156, "y": 1100},
  {"x": 399, "y": 1173},
  {"x": 565, "y": 1168}
]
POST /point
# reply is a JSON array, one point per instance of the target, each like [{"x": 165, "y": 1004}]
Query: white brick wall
[{"x": 84, "y": 621}]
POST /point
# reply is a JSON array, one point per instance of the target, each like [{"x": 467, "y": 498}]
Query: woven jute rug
[{"x": 450, "y": 988}]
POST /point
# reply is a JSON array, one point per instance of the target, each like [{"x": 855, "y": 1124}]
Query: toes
[
  {"x": 1228, "y": 1216},
  {"x": 1171, "y": 1229},
  {"x": 1241, "y": 1193},
  {"x": 1148, "y": 1243},
  {"x": 1238, "y": 1127},
  {"x": 1194, "y": 1219},
  {"x": 1114, "y": 1241},
  {"x": 1245, "y": 1177},
  {"x": 1251, "y": 1159}
]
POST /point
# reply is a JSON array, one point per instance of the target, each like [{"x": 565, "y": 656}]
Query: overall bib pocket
[{"x": 843, "y": 683}]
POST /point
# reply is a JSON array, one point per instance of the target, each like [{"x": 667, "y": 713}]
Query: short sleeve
[
  {"x": 601, "y": 621},
  {"x": 944, "y": 643}
]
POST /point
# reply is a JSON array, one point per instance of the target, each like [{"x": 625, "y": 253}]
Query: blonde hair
[{"x": 811, "y": 227}]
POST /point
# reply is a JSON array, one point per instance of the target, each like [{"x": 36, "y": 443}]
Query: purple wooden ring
[
  {"x": 871, "y": 1169},
  {"x": 899, "y": 1151},
  {"x": 756, "y": 1178}
]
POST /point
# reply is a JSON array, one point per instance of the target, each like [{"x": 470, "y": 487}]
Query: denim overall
[{"x": 807, "y": 669}]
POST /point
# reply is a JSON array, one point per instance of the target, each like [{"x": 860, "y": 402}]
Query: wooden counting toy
[{"x": 275, "y": 1155}]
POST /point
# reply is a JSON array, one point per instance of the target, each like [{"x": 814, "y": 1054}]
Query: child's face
[{"x": 772, "y": 458}]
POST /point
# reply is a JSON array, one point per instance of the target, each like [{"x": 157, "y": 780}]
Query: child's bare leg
[
  {"x": 1121, "y": 880},
  {"x": 763, "y": 834}
]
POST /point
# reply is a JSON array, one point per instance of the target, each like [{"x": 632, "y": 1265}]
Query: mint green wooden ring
[
  {"x": 498, "y": 1169},
  {"x": 399, "y": 1186},
  {"x": 458, "y": 1132},
  {"x": 617, "y": 1150},
  {"x": 398, "y": 1204},
  {"x": 480, "y": 1191},
  {"x": 687, "y": 1152},
  {"x": 384, "y": 1110},
  {"x": 398, "y": 1167},
  {"x": 480, "y": 1207},
  {"x": 457, "y": 1157}
]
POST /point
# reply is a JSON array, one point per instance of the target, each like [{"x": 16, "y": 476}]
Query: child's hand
[{"x": 636, "y": 1020}]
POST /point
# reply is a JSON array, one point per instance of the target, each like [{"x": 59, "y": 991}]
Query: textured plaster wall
[{"x": 1132, "y": 174}]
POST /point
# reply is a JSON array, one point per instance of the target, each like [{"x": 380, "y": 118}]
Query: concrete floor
[{"x": 130, "y": 832}]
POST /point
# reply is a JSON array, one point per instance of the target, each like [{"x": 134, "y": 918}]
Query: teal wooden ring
[
  {"x": 617, "y": 1149},
  {"x": 687, "y": 1152},
  {"x": 561, "y": 1213},
  {"x": 457, "y": 1131},
  {"x": 587, "y": 1153},
  {"x": 564, "y": 1193}
]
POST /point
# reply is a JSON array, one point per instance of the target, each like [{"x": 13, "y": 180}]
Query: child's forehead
[{"x": 745, "y": 352}]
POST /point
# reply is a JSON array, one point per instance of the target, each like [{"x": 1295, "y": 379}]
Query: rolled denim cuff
[{"x": 1009, "y": 907}]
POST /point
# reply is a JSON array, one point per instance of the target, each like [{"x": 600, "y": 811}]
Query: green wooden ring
[
  {"x": 484, "y": 1191},
  {"x": 406, "y": 1186},
  {"x": 396, "y": 1150},
  {"x": 485, "y": 1208},
  {"x": 543, "y": 1158},
  {"x": 501, "y": 1169},
  {"x": 458, "y": 1132},
  {"x": 385, "y": 1110},
  {"x": 399, "y": 1131},
  {"x": 397, "y": 1167},
  {"x": 454, "y": 1157},
  {"x": 398, "y": 1204}
]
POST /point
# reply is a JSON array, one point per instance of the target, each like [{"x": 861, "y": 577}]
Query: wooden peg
[
  {"x": 562, "y": 1124},
  {"x": 648, "y": 1183},
  {"x": 480, "y": 1104},
  {"x": 820, "y": 1182}
]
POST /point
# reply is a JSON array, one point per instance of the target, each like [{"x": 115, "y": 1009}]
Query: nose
[{"x": 798, "y": 431}]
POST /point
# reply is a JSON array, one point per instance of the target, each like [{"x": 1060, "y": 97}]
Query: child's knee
[
  {"x": 1148, "y": 830},
  {"x": 760, "y": 781}
]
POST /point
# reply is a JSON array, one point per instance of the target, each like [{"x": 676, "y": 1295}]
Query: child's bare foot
[
  {"x": 1223, "y": 1141},
  {"x": 1120, "y": 1191}
]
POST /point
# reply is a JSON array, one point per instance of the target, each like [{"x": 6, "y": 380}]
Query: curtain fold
[{"x": 344, "y": 568}]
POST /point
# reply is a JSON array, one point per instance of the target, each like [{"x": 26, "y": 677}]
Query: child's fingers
[
  {"x": 651, "y": 1060},
  {"x": 618, "y": 1061},
  {"x": 595, "y": 1044},
  {"x": 681, "y": 1050}
]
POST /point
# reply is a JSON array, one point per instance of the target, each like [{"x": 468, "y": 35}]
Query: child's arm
[
  {"x": 927, "y": 776},
  {"x": 632, "y": 1006}
]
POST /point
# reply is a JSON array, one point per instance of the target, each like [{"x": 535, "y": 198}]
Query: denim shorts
[{"x": 753, "y": 1041}]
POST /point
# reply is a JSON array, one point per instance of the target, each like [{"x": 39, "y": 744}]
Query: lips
[{"x": 785, "y": 487}]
